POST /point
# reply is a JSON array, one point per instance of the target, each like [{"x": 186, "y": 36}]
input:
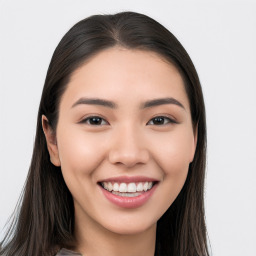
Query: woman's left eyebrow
[
  {"x": 113, "y": 105},
  {"x": 161, "y": 101}
]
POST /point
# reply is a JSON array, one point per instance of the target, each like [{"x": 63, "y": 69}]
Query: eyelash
[
  {"x": 165, "y": 119},
  {"x": 87, "y": 120}
]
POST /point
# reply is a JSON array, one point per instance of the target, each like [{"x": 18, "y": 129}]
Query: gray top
[{"x": 65, "y": 252}]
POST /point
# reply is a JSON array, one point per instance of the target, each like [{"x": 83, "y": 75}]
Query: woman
[{"x": 119, "y": 157}]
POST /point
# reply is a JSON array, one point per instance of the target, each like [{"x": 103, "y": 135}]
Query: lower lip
[{"x": 129, "y": 202}]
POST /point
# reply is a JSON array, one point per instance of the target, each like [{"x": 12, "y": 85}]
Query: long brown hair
[{"x": 44, "y": 222}]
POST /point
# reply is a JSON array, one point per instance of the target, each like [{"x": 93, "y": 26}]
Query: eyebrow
[
  {"x": 162, "y": 101},
  {"x": 95, "y": 101},
  {"x": 111, "y": 104}
]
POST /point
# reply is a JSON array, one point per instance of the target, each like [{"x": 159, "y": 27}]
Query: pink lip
[
  {"x": 128, "y": 179},
  {"x": 129, "y": 202}
]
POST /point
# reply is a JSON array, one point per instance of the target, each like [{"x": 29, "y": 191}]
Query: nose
[{"x": 128, "y": 148}]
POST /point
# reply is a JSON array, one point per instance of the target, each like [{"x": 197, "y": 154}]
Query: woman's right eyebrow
[
  {"x": 95, "y": 101},
  {"x": 113, "y": 105}
]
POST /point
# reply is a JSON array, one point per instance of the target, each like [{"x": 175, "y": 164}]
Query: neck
[{"x": 95, "y": 240}]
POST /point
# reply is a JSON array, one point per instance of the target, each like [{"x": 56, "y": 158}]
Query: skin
[{"x": 126, "y": 143}]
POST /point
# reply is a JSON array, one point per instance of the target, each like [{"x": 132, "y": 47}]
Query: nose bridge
[{"x": 128, "y": 147}]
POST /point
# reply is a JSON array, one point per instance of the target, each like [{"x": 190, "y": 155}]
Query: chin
[{"x": 130, "y": 227}]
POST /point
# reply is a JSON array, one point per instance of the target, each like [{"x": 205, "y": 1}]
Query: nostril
[{"x": 119, "y": 157}]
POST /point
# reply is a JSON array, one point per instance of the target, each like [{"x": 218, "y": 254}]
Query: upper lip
[{"x": 129, "y": 179}]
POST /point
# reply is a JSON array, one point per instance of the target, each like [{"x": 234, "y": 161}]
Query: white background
[{"x": 220, "y": 37}]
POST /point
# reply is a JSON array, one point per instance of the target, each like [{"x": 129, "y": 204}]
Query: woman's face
[{"x": 124, "y": 124}]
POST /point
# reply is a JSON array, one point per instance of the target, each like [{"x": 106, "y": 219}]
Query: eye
[
  {"x": 161, "y": 120},
  {"x": 94, "y": 120}
]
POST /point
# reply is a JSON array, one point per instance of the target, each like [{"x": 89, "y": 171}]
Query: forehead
[{"x": 124, "y": 75}]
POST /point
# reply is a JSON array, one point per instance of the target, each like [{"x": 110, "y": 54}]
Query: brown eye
[
  {"x": 160, "y": 120},
  {"x": 95, "y": 120}
]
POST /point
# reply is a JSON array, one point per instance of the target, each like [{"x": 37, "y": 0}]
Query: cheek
[
  {"x": 79, "y": 152},
  {"x": 173, "y": 153},
  {"x": 173, "y": 157}
]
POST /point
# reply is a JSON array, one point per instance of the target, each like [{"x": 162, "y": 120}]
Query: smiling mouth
[{"x": 131, "y": 189}]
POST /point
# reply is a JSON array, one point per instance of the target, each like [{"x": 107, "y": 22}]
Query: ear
[
  {"x": 194, "y": 144},
  {"x": 51, "y": 141}
]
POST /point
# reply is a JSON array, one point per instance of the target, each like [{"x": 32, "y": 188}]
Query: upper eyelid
[
  {"x": 171, "y": 119},
  {"x": 168, "y": 116},
  {"x": 85, "y": 118}
]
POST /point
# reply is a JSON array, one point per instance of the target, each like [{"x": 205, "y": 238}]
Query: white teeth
[
  {"x": 140, "y": 187},
  {"x": 123, "y": 187},
  {"x": 110, "y": 187},
  {"x": 127, "y": 187},
  {"x": 145, "y": 186},
  {"x": 126, "y": 194},
  {"x": 131, "y": 187},
  {"x": 115, "y": 187}
]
